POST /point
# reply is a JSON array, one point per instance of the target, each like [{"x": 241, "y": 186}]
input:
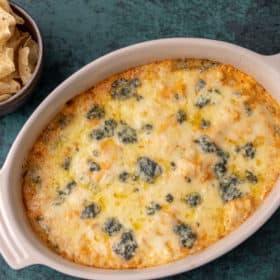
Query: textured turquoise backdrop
[{"x": 76, "y": 32}]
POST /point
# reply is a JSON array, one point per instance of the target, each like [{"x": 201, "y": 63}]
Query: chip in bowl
[{"x": 18, "y": 52}]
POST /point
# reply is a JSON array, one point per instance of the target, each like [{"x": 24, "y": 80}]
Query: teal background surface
[{"x": 78, "y": 31}]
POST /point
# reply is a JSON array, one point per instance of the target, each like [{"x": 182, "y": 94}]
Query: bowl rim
[
  {"x": 24, "y": 91},
  {"x": 37, "y": 255}
]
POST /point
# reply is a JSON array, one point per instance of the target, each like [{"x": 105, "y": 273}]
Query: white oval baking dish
[{"x": 20, "y": 247}]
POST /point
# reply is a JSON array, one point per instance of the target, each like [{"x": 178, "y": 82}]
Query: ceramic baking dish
[{"x": 20, "y": 247}]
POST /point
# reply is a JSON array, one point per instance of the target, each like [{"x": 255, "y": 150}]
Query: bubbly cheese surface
[{"x": 153, "y": 164}]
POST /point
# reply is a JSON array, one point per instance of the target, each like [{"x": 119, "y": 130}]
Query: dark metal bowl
[{"x": 25, "y": 92}]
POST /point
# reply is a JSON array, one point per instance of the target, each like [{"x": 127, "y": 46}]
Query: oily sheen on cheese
[{"x": 153, "y": 164}]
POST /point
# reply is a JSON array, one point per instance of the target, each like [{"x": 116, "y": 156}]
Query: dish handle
[
  {"x": 274, "y": 60},
  {"x": 10, "y": 249}
]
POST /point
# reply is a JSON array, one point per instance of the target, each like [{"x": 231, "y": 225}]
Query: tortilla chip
[
  {"x": 34, "y": 51},
  {"x": 24, "y": 67},
  {"x": 7, "y": 65},
  {"x": 9, "y": 86},
  {"x": 19, "y": 20},
  {"x": 14, "y": 75},
  {"x": 4, "y": 4},
  {"x": 7, "y": 26},
  {"x": 4, "y": 97},
  {"x": 17, "y": 39}
]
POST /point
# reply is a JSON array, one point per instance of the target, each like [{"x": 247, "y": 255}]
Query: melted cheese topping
[{"x": 153, "y": 164}]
